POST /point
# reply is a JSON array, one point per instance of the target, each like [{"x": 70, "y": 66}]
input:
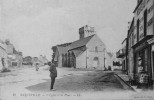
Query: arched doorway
[{"x": 96, "y": 62}]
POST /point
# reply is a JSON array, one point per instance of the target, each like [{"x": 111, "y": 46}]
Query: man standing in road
[{"x": 53, "y": 74}]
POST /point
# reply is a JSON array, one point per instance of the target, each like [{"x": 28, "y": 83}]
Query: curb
[{"x": 124, "y": 83}]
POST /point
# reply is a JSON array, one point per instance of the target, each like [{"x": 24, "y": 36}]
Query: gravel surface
[{"x": 90, "y": 81}]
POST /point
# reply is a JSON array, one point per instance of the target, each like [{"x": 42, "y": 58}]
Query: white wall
[
  {"x": 60, "y": 61},
  {"x": 95, "y": 41},
  {"x": 109, "y": 61},
  {"x": 81, "y": 60},
  {"x": 91, "y": 55},
  {"x": 131, "y": 64}
]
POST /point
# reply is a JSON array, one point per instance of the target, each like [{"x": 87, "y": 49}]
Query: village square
[{"x": 83, "y": 64}]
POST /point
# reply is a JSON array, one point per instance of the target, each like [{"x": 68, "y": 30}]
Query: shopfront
[
  {"x": 142, "y": 63},
  {"x": 151, "y": 42}
]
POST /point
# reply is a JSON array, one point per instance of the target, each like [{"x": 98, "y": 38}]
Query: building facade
[
  {"x": 28, "y": 60},
  {"x": 121, "y": 54},
  {"x": 3, "y": 56},
  {"x": 14, "y": 57},
  {"x": 109, "y": 59},
  {"x": 130, "y": 51},
  {"x": 18, "y": 59},
  {"x": 87, "y": 52},
  {"x": 140, "y": 42}
]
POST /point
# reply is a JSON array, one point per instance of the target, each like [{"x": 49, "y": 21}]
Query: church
[{"x": 87, "y": 52}]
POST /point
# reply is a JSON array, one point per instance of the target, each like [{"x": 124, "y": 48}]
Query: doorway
[{"x": 95, "y": 62}]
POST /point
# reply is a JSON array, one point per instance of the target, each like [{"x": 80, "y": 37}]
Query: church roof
[
  {"x": 77, "y": 52},
  {"x": 62, "y": 50},
  {"x": 64, "y": 44},
  {"x": 80, "y": 43}
]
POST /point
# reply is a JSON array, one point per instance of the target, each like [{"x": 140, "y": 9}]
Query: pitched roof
[
  {"x": 62, "y": 50},
  {"x": 77, "y": 52},
  {"x": 80, "y": 43},
  {"x": 64, "y": 44}
]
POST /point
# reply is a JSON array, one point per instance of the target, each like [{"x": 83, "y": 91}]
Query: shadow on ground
[
  {"x": 45, "y": 86},
  {"x": 89, "y": 82}
]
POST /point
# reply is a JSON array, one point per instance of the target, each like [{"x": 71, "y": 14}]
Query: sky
[{"x": 34, "y": 26}]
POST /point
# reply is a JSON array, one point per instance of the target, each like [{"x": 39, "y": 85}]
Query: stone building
[
  {"x": 35, "y": 60},
  {"x": 109, "y": 59},
  {"x": 121, "y": 54},
  {"x": 87, "y": 52},
  {"x": 28, "y": 60},
  {"x": 59, "y": 52},
  {"x": 143, "y": 33},
  {"x": 130, "y": 51},
  {"x": 140, "y": 43},
  {"x": 14, "y": 56},
  {"x": 18, "y": 59},
  {"x": 3, "y": 55}
]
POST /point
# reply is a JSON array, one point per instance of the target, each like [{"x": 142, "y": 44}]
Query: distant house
[
  {"x": 35, "y": 60},
  {"x": 121, "y": 54},
  {"x": 87, "y": 52},
  {"x": 18, "y": 59},
  {"x": 109, "y": 60},
  {"x": 28, "y": 60},
  {"x": 42, "y": 60},
  {"x": 3, "y": 55},
  {"x": 14, "y": 56}
]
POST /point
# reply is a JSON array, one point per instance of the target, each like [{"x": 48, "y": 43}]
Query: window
[
  {"x": 145, "y": 22},
  {"x": 96, "y": 49},
  {"x": 150, "y": 9},
  {"x": 150, "y": 22},
  {"x": 138, "y": 23}
]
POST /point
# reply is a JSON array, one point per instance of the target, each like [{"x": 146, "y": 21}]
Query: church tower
[{"x": 86, "y": 31}]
